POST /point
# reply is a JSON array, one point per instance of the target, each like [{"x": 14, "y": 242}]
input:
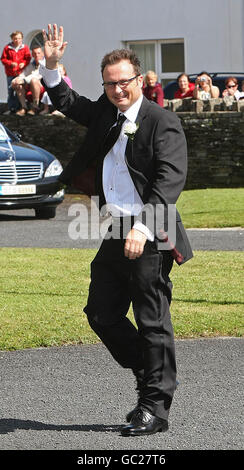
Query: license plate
[{"x": 21, "y": 189}]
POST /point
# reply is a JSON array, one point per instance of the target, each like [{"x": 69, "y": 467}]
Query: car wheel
[{"x": 46, "y": 213}]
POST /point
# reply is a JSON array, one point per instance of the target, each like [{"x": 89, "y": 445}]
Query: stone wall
[
  {"x": 214, "y": 131},
  {"x": 200, "y": 106},
  {"x": 215, "y": 149}
]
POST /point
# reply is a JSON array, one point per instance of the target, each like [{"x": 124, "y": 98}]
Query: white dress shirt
[{"x": 122, "y": 198}]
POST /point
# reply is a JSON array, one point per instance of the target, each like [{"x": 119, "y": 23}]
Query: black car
[
  {"x": 218, "y": 80},
  {"x": 28, "y": 176}
]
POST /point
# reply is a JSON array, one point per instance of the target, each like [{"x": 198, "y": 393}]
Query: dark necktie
[{"x": 113, "y": 134}]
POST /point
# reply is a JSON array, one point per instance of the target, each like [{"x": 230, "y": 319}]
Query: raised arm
[{"x": 66, "y": 100}]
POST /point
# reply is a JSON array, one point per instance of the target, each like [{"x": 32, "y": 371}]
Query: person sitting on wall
[
  {"x": 28, "y": 84},
  {"x": 231, "y": 89},
  {"x": 186, "y": 87},
  {"x": 46, "y": 100},
  {"x": 204, "y": 88},
  {"x": 153, "y": 90}
]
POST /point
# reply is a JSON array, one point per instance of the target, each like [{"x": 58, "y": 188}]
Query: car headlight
[{"x": 55, "y": 168}]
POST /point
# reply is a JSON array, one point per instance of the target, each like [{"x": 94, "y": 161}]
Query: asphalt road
[
  {"x": 69, "y": 230},
  {"x": 76, "y": 397}
]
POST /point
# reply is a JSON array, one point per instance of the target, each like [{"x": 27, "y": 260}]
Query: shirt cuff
[
  {"x": 51, "y": 78},
  {"x": 144, "y": 229}
]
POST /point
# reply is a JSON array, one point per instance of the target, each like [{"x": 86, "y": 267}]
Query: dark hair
[
  {"x": 204, "y": 73},
  {"x": 121, "y": 54},
  {"x": 183, "y": 75}
]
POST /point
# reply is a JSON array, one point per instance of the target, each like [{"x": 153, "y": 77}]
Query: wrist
[
  {"x": 144, "y": 230},
  {"x": 50, "y": 76},
  {"x": 51, "y": 65}
]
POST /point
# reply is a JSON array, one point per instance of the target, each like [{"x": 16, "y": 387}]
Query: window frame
[
  {"x": 31, "y": 36},
  {"x": 158, "y": 58}
]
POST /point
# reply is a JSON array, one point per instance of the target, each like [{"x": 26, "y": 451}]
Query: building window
[
  {"x": 37, "y": 41},
  {"x": 165, "y": 56},
  {"x": 146, "y": 54},
  {"x": 172, "y": 57},
  {"x": 34, "y": 39}
]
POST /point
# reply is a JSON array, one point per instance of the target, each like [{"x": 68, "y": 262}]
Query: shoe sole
[{"x": 142, "y": 433}]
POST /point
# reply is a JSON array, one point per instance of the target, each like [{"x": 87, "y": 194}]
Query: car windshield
[
  {"x": 3, "y": 134},
  {"x": 7, "y": 136}
]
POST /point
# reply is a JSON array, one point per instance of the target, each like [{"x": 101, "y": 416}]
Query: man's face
[
  {"x": 37, "y": 54},
  {"x": 122, "y": 97},
  {"x": 17, "y": 40}
]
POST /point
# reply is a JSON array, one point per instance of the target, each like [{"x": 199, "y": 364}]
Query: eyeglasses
[
  {"x": 121, "y": 83},
  {"x": 231, "y": 86}
]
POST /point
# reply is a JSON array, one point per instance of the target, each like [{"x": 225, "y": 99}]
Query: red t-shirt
[{"x": 178, "y": 94}]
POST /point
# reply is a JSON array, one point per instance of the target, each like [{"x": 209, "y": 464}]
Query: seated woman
[
  {"x": 204, "y": 88},
  {"x": 231, "y": 89},
  {"x": 185, "y": 89},
  {"x": 153, "y": 90}
]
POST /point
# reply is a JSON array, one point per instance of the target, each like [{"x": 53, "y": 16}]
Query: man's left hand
[{"x": 134, "y": 244}]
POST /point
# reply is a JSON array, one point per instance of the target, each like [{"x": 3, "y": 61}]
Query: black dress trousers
[{"x": 117, "y": 281}]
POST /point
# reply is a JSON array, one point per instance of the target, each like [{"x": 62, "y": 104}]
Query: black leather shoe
[
  {"x": 144, "y": 423},
  {"x": 131, "y": 413}
]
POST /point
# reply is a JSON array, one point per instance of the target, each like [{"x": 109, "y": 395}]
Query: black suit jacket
[{"x": 156, "y": 157}]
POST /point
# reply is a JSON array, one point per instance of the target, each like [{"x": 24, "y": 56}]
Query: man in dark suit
[{"x": 134, "y": 157}]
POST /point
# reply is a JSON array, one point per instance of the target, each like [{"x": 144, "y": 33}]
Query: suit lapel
[
  {"x": 143, "y": 110},
  {"x": 104, "y": 122},
  {"x": 142, "y": 114}
]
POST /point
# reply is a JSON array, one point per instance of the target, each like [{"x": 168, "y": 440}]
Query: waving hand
[{"x": 54, "y": 45}]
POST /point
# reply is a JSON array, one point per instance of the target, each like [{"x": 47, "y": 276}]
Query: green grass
[
  {"x": 208, "y": 298},
  {"x": 43, "y": 292},
  {"x": 215, "y": 207}
]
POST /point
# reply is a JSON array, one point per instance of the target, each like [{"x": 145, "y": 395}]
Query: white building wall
[{"x": 212, "y": 31}]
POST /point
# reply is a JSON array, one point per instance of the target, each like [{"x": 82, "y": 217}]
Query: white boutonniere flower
[{"x": 130, "y": 129}]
